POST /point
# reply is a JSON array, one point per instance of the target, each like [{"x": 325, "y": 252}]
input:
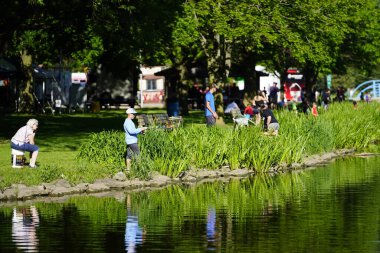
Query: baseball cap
[{"x": 130, "y": 111}]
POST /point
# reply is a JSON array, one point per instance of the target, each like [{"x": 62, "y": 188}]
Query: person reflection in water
[
  {"x": 211, "y": 220},
  {"x": 134, "y": 234},
  {"x": 214, "y": 229},
  {"x": 24, "y": 223}
]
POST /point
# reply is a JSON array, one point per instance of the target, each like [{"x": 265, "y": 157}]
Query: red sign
[
  {"x": 292, "y": 71},
  {"x": 153, "y": 96}
]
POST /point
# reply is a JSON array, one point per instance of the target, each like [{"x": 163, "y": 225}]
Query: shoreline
[{"x": 61, "y": 190}]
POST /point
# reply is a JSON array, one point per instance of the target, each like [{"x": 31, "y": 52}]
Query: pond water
[{"x": 330, "y": 209}]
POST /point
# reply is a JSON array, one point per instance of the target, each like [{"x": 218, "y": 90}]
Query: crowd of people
[{"x": 258, "y": 109}]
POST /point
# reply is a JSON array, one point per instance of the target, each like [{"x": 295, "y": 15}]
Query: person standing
[
  {"x": 23, "y": 140},
  {"x": 305, "y": 105},
  {"x": 131, "y": 133},
  {"x": 361, "y": 96},
  {"x": 270, "y": 122},
  {"x": 355, "y": 105},
  {"x": 340, "y": 94},
  {"x": 210, "y": 112},
  {"x": 367, "y": 97},
  {"x": 265, "y": 92},
  {"x": 326, "y": 98},
  {"x": 273, "y": 96}
]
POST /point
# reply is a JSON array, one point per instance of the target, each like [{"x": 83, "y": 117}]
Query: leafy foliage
[{"x": 318, "y": 36}]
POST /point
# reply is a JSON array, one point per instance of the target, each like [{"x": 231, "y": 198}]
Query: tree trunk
[
  {"x": 27, "y": 99},
  {"x": 218, "y": 66},
  {"x": 182, "y": 90},
  {"x": 310, "y": 75},
  {"x": 251, "y": 85}
]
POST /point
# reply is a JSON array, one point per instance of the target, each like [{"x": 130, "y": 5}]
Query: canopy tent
[
  {"x": 6, "y": 68},
  {"x": 8, "y": 85}
]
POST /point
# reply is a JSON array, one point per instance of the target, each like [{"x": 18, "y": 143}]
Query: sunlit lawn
[{"x": 60, "y": 136}]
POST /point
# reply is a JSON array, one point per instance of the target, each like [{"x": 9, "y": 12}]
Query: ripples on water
[{"x": 331, "y": 209}]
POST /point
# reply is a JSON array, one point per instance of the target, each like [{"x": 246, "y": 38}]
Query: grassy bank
[
  {"x": 59, "y": 138},
  {"x": 63, "y": 138}
]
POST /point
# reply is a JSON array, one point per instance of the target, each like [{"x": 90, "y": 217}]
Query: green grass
[
  {"x": 98, "y": 139},
  {"x": 59, "y": 138}
]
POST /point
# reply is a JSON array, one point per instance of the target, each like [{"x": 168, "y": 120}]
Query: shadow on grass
[
  {"x": 62, "y": 130},
  {"x": 68, "y": 131}
]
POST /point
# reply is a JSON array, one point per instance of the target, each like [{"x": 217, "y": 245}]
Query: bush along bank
[
  {"x": 195, "y": 153},
  {"x": 198, "y": 147}
]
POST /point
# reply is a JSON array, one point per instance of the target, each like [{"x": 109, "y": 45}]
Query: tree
[
  {"x": 49, "y": 32},
  {"x": 361, "y": 47}
]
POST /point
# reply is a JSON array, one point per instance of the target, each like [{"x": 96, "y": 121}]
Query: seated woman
[
  {"x": 259, "y": 100},
  {"x": 23, "y": 140}
]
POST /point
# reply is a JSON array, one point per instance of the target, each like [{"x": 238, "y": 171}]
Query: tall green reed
[{"x": 199, "y": 147}]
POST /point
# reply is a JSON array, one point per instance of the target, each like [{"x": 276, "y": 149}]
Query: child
[
  {"x": 248, "y": 112},
  {"x": 355, "y": 105},
  {"x": 294, "y": 107},
  {"x": 314, "y": 110},
  {"x": 367, "y": 97},
  {"x": 252, "y": 110}
]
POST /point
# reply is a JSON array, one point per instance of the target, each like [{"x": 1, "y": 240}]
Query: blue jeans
[{"x": 25, "y": 147}]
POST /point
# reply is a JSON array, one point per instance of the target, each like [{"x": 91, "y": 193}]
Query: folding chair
[{"x": 239, "y": 119}]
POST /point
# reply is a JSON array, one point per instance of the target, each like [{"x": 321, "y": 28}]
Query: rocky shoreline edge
[{"x": 62, "y": 189}]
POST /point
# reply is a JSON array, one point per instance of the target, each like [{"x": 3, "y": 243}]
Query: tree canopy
[{"x": 319, "y": 36}]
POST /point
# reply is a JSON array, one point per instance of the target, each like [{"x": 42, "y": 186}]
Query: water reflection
[
  {"x": 214, "y": 230},
  {"x": 211, "y": 220},
  {"x": 134, "y": 234},
  {"x": 330, "y": 209},
  {"x": 24, "y": 223}
]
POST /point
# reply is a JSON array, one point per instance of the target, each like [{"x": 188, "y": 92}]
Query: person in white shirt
[{"x": 23, "y": 140}]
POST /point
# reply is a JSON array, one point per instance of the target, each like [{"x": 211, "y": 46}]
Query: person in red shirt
[
  {"x": 250, "y": 111},
  {"x": 314, "y": 110}
]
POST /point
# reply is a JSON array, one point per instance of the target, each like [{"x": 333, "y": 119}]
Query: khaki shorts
[
  {"x": 274, "y": 126},
  {"x": 132, "y": 150}
]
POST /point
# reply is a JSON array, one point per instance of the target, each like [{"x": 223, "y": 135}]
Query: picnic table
[{"x": 159, "y": 121}]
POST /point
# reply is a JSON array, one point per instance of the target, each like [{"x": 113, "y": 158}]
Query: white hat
[{"x": 130, "y": 111}]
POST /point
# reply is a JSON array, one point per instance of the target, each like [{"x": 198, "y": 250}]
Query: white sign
[
  {"x": 79, "y": 78},
  {"x": 290, "y": 76}
]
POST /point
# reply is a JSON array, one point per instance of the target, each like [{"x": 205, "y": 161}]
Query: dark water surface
[{"x": 330, "y": 209}]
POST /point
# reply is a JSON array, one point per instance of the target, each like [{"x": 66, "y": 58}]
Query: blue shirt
[
  {"x": 209, "y": 98},
  {"x": 131, "y": 131}
]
